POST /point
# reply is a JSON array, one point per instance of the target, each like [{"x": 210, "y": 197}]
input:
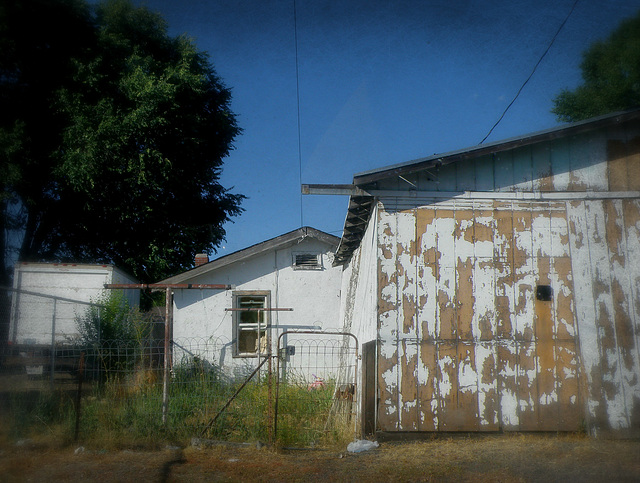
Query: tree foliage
[
  {"x": 112, "y": 139},
  {"x": 611, "y": 75}
]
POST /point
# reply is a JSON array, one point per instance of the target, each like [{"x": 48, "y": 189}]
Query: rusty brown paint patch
[
  {"x": 503, "y": 233},
  {"x": 527, "y": 388},
  {"x": 569, "y": 401},
  {"x": 427, "y": 395},
  {"x": 486, "y": 315},
  {"x": 446, "y": 310},
  {"x": 388, "y": 419},
  {"x": 409, "y": 386},
  {"x": 623, "y": 324},
  {"x": 448, "y": 403},
  {"x": 483, "y": 226},
  {"x": 467, "y": 409},
  {"x": 613, "y": 232},
  {"x": 465, "y": 299},
  {"x": 490, "y": 408},
  {"x": 565, "y": 305},
  {"x": 464, "y": 225},
  {"x": 631, "y": 213},
  {"x": 385, "y": 304},
  {"x": 503, "y": 296},
  {"x": 408, "y": 314},
  {"x": 387, "y": 253}
]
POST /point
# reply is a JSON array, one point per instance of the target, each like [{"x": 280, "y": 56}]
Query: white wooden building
[{"x": 497, "y": 288}]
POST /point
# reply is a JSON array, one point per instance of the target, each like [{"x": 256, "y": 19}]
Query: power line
[
  {"x": 532, "y": 72},
  {"x": 295, "y": 33}
]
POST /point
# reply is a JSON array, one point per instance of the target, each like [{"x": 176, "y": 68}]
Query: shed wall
[
  {"x": 31, "y": 315},
  {"x": 464, "y": 342}
]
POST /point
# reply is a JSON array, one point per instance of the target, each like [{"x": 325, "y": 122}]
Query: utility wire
[
  {"x": 295, "y": 33},
  {"x": 532, "y": 72}
]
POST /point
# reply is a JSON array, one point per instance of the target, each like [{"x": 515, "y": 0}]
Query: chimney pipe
[{"x": 201, "y": 259}]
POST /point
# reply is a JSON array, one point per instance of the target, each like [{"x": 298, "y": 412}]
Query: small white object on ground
[
  {"x": 79, "y": 450},
  {"x": 360, "y": 445}
]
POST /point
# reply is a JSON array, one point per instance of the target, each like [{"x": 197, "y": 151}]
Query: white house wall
[{"x": 200, "y": 316}]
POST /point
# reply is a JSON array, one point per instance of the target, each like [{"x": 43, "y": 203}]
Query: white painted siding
[{"x": 32, "y": 316}]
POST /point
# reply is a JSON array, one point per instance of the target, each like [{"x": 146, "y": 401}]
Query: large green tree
[
  {"x": 611, "y": 75},
  {"x": 112, "y": 138}
]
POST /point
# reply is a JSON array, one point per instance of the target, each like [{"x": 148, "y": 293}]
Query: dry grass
[{"x": 481, "y": 458}]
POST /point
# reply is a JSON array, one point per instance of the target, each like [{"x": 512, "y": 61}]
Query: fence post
[
  {"x": 167, "y": 333},
  {"x": 79, "y": 395},
  {"x": 53, "y": 343}
]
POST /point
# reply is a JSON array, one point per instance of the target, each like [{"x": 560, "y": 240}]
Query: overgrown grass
[{"x": 127, "y": 411}]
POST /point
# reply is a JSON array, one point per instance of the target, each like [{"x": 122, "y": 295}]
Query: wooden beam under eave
[{"x": 332, "y": 189}]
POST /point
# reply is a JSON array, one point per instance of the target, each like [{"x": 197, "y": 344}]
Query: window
[
  {"x": 307, "y": 261},
  {"x": 248, "y": 321}
]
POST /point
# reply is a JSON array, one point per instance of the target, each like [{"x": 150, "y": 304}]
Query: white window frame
[
  {"x": 240, "y": 324},
  {"x": 305, "y": 266}
]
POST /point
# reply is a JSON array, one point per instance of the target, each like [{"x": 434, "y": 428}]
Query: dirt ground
[{"x": 527, "y": 458}]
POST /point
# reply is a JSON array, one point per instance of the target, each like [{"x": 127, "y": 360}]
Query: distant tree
[
  {"x": 112, "y": 138},
  {"x": 611, "y": 74}
]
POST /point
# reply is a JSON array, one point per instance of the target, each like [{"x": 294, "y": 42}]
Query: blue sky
[{"x": 378, "y": 83}]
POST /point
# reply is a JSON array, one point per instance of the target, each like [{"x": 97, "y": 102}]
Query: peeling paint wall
[
  {"x": 358, "y": 295},
  {"x": 465, "y": 342}
]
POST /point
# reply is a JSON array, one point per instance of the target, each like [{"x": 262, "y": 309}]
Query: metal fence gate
[{"x": 316, "y": 387}]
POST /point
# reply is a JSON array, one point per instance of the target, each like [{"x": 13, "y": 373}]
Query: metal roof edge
[{"x": 562, "y": 130}]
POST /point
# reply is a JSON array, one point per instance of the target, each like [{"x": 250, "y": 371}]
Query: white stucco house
[{"x": 291, "y": 276}]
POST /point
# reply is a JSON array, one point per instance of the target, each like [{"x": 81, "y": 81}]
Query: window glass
[{"x": 248, "y": 321}]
